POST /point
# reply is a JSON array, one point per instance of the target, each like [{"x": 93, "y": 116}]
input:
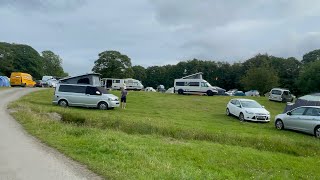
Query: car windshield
[
  {"x": 250, "y": 104},
  {"x": 103, "y": 90}
]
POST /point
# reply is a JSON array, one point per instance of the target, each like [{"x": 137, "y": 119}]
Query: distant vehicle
[
  {"x": 161, "y": 88},
  {"x": 252, "y": 93},
  {"x": 304, "y": 118},
  {"x": 239, "y": 93},
  {"x": 247, "y": 109},
  {"x": 85, "y": 96},
  {"x": 39, "y": 83},
  {"x": 231, "y": 92},
  {"x": 220, "y": 90},
  {"x": 281, "y": 95},
  {"x": 149, "y": 89},
  {"x": 129, "y": 84},
  {"x": 52, "y": 82},
  {"x": 194, "y": 84},
  {"x": 21, "y": 79}
]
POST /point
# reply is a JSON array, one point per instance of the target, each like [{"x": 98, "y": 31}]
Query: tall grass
[{"x": 156, "y": 128}]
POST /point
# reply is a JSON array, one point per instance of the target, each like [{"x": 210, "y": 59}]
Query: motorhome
[
  {"x": 129, "y": 83},
  {"x": 194, "y": 84},
  {"x": 21, "y": 79}
]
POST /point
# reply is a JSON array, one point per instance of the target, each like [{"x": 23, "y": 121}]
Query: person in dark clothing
[{"x": 124, "y": 94}]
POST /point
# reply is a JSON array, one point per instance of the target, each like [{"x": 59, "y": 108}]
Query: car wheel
[
  {"x": 103, "y": 106},
  {"x": 209, "y": 93},
  {"x": 279, "y": 124},
  {"x": 227, "y": 112},
  {"x": 180, "y": 91},
  {"x": 63, "y": 103},
  {"x": 241, "y": 117},
  {"x": 317, "y": 132}
]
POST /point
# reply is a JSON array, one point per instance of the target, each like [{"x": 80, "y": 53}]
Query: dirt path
[{"x": 24, "y": 157}]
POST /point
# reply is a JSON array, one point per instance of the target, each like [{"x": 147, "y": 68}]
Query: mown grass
[{"x": 166, "y": 136}]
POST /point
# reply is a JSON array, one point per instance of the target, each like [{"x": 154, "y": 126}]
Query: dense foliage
[
  {"x": 113, "y": 64},
  {"x": 261, "y": 72},
  {"x": 23, "y": 58}
]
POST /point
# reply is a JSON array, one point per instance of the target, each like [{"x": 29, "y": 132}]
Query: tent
[
  {"x": 4, "y": 81},
  {"x": 307, "y": 100}
]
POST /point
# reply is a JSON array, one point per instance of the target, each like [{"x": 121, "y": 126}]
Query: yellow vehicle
[{"x": 21, "y": 79}]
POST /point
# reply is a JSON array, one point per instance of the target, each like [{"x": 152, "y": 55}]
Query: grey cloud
[{"x": 42, "y": 5}]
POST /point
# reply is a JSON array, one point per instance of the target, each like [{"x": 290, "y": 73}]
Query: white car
[{"x": 247, "y": 109}]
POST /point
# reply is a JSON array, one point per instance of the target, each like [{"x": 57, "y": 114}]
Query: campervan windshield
[{"x": 205, "y": 84}]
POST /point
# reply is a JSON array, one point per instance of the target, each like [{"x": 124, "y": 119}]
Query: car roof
[
  {"x": 242, "y": 99},
  {"x": 281, "y": 89}
]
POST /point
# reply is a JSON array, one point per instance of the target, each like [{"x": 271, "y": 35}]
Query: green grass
[
  {"x": 3, "y": 88},
  {"x": 167, "y": 136}
]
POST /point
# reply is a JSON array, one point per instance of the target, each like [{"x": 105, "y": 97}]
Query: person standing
[{"x": 124, "y": 94}]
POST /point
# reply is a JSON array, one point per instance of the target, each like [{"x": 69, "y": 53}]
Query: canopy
[{"x": 307, "y": 100}]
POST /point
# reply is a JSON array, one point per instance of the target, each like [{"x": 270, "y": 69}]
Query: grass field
[{"x": 167, "y": 136}]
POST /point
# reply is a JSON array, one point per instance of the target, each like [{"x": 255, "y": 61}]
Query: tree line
[
  {"x": 261, "y": 72},
  {"x": 23, "y": 58}
]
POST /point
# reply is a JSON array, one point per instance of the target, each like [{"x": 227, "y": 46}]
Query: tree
[
  {"x": 19, "y": 57},
  {"x": 52, "y": 64},
  {"x": 139, "y": 73},
  {"x": 309, "y": 79},
  {"x": 113, "y": 64},
  {"x": 311, "y": 56},
  {"x": 261, "y": 78}
]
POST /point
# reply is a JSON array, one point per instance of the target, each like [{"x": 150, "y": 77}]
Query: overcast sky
[{"x": 158, "y": 32}]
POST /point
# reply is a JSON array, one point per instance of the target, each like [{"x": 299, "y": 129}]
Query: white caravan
[
  {"x": 194, "y": 84},
  {"x": 129, "y": 83}
]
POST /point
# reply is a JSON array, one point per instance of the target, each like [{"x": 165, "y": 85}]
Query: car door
[
  {"x": 93, "y": 96},
  {"x": 237, "y": 108},
  {"x": 309, "y": 120},
  {"x": 295, "y": 118}
]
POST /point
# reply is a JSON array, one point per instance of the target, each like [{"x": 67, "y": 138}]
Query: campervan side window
[
  {"x": 83, "y": 81},
  {"x": 180, "y": 83},
  {"x": 116, "y": 81},
  {"x": 193, "y": 84},
  {"x": 72, "y": 89}
]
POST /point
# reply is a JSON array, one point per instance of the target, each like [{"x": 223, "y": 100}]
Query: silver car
[
  {"x": 85, "y": 96},
  {"x": 304, "y": 118}
]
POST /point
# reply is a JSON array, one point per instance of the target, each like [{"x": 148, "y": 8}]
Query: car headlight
[{"x": 249, "y": 112}]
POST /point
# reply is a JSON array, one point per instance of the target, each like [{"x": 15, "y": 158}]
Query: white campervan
[
  {"x": 130, "y": 84},
  {"x": 194, "y": 84}
]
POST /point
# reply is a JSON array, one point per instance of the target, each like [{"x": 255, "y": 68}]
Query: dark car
[{"x": 39, "y": 83}]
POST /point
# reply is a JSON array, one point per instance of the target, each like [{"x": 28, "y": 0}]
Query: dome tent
[
  {"x": 307, "y": 100},
  {"x": 4, "y": 81}
]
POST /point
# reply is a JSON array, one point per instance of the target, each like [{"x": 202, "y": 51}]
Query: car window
[
  {"x": 276, "y": 92},
  {"x": 72, "y": 89},
  {"x": 237, "y": 103},
  {"x": 203, "y": 84},
  {"x": 92, "y": 91},
  {"x": 298, "y": 111},
  {"x": 250, "y": 104},
  {"x": 312, "y": 112},
  {"x": 194, "y": 84}
]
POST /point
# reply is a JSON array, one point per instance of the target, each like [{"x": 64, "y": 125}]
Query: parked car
[
  {"x": 85, "y": 96},
  {"x": 161, "y": 88},
  {"x": 281, "y": 95},
  {"x": 39, "y": 83},
  {"x": 304, "y": 118},
  {"x": 231, "y": 92},
  {"x": 239, "y": 93},
  {"x": 247, "y": 109},
  {"x": 52, "y": 83},
  {"x": 252, "y": 93}
]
